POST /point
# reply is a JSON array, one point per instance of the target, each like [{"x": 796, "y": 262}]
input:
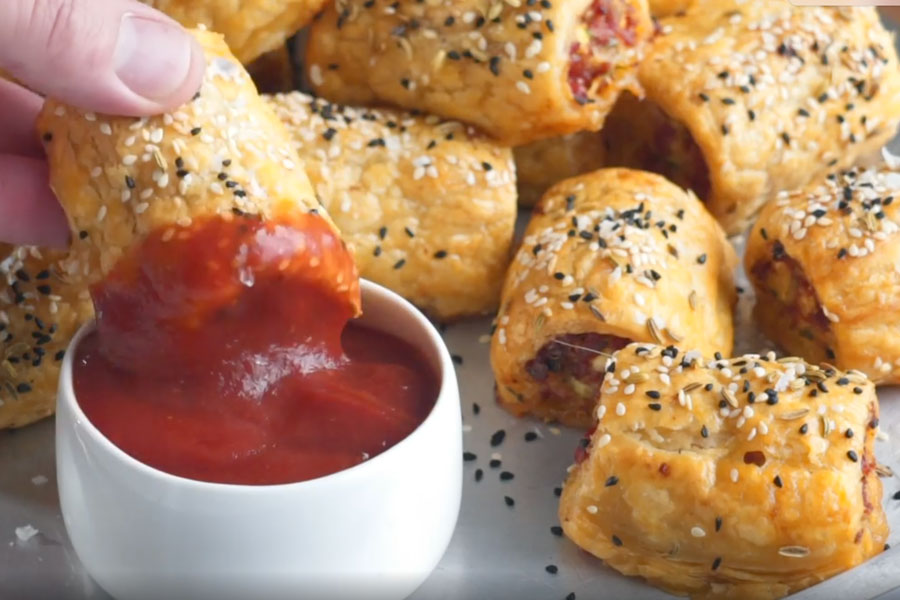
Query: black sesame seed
[
  {"x": 23, "y": 388},
  {"x": 704, "y": 97},
  {"x": 571, "y": 596},
  {"x": 896, "y": 496},
  {"x": 552, "y": 569},
  {"x": 718, "y": 523},
  {"x": 59, "y": 355},
  {"x": 852, "y": 455},
  {"x": 469, "y": 456},
  {"x": 557, "y": 491},
  {"x": 329, "y": 133},
  {"x": 704, "y": 431},
  {"x": 44, "y": 289},
  {"x": 509, "y": 501},
  {"x": 716, "y": 563},
  {"x": 530, "y": 436},
  {"x": 399, "y": 264},
  {"x": 495, "y": 65},
  {"x": 849, "y": 433},
  {"x": 559, "y": 276},
  {"x": 82, "y": 234},
  {"x": 616, "y": 540},
  {"x": 487, "y": 166},
  {"x": 48, "y": 137},
  {"x": 440, "y": 254},
  {"x": 494, "y": 463},
  {"x": 777, "y": 481},
  {"x": 804, "y": 428},
  {"x": 843, "y": 381},
  {"x": 613, "y": 480},
  {"x": 196, "y": 131},
  {"x": 478, "y": 474},
  {"x": 857, "y": 390},
  {"x": 377, "y": 251},
  {"x": 652, "y": 394},
  {"x": 556, "y": 530},
  {"x": 655, "y": 406},
  {"x": 506, "y": 476},
  {"x": 497, "y": 438}
]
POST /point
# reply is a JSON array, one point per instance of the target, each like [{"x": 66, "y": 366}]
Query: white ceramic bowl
[{"x": 375, "y": 530}]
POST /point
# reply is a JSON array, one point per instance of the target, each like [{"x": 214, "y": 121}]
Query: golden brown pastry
[
  {"x": 224, "y": 155},
  {"x": 666, "y": 8},
  {"x": 608, "y": 258},
  {"x": 823, "y": 262},
  {"x": 737, "y": 478},
  {"x": 745, "y": 99},
  {"x": 39, "y": 314},
  {"x": 428, "y": 205},
  {"x": 251, "y": 27},
  {"x": 541, "y": 164},
  {"x": 520, "y": 71}
]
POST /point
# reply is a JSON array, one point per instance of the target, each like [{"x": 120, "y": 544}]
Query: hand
[{"x": 109, "y": 56}]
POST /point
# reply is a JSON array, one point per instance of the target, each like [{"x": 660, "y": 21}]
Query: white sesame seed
[
  {"x": 698, "y": 532},
  {"x": 591, "y": 509},
  {"x": 734, "y": 475},
  {"x": 620, "y": 409},
  {"x": 95, "y": 172},
  {"x": 602, "y": 441},
  {"x": 523, "y": 87},
  {"x": 105, "y": 129},
  {"x": 129, "y": 159},
  {"x": 315, "y": 75}
]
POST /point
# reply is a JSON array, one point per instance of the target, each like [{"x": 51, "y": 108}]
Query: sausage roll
[
  {"x": 747, "y": 477},
  {"x": 822, "y": 260},
  {"x": 609, "y": 258},
  {"x": 520, "y": 71},
  {"x": 251, "y": 27},
  {"x": 428, "y": 206},
  {"x": 39, "y": 314},
  {"x": 745, "y": 99},
  {"x": 223, "y": 157}
]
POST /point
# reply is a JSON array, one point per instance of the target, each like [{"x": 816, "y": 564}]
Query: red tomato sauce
[{"x": 223, "y": 353}]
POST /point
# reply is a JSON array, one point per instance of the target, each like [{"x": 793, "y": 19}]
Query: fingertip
[{"x": 29, "y": 211}]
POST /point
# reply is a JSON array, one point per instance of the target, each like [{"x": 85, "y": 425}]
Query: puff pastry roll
[
  {"x": 608, "y": 258},
  {"x": 222, "y": 162},
  {"x": 428, "y": 206},
  {"x": 803, "y": 89},
  {"x": 39, "y": 314},
  {"x": 736, "y": 478},
  {"x": 745, "y": 99},
  {"x": 822, "y": 260},
  {"x": 519, "y": 71},
  {"x": 251, "y": 27}
]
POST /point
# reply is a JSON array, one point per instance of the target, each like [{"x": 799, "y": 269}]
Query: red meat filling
[
  {"x": 567, "y": 367},
  {"x": 608, "y": 24}
]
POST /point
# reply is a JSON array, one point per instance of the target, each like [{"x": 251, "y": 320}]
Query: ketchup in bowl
[{"x": 225, "y": 353}]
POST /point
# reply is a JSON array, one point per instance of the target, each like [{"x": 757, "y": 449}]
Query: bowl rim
[{"x": 448, "y": 392}]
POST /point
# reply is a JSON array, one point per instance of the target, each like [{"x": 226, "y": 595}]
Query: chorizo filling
[
  {"x": 596, "y": 52},
  {"x": 793, "y": 296},
  {"x": 572, "y": 367}
]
